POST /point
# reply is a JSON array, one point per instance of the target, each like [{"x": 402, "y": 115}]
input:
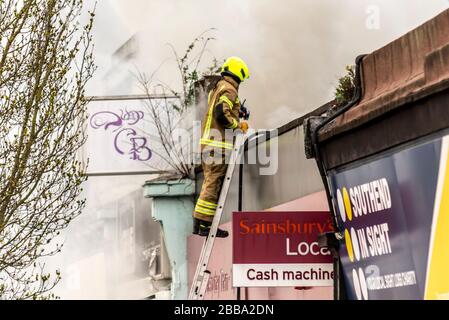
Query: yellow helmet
[{"x": 237, "y": 67}]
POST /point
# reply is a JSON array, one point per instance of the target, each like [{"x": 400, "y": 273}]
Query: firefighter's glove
[{"x": 243, "y": 125}]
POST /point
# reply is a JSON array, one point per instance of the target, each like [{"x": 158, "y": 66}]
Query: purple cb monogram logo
[{"x": 126, "y": 139}]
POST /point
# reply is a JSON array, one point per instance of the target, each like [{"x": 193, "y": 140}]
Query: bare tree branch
[
  {"x": 167, "y": 117},
  {"x": 45, "y": 63}
]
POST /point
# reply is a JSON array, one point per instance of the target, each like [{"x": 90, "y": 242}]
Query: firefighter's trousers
[{"x": 207, "y": 203}]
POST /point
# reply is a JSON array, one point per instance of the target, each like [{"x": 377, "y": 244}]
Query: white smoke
[{"x": 296, "y": 50}]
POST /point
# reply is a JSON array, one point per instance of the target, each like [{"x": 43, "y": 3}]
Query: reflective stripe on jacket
[{"x": 223, "y": 113}]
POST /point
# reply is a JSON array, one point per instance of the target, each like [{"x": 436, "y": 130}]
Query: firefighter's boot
[
  {"x": 196, "y": 226},
  {"x": 202, "y": 228}
]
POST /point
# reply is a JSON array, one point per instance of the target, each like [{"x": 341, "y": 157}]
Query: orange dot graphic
[
  {"x": 349, "y": 245},
  {"x": 347, "y": 204}
]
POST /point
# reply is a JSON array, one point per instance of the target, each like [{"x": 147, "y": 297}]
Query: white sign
[
  {"x": 122, "y": 137},
  {"x": 282, "y": 275}
]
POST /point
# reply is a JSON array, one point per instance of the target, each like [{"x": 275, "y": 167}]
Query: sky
[{"x": 295, "y": 49}]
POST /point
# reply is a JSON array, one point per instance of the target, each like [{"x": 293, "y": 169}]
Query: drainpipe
[
  {"x": 172, "y": 206},
  {"x": 332, "y": 240}
]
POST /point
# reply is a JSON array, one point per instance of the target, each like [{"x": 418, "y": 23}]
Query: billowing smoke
[{"x": 296, "y": 50}]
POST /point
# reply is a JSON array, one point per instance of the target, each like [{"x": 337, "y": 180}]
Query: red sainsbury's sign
[{"x": 280, "y": 249}]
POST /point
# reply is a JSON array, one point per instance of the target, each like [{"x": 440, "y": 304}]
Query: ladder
[{"x": 201, "y": 277}]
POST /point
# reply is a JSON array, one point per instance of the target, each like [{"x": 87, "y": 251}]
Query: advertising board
[
  {"x": 122, "y": 136},
  {"x": 394, "y": 214},
  {"x": 280, "y": 249}
]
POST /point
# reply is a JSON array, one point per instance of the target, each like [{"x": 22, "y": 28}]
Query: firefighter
[{"x": 219, "y": 123}]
